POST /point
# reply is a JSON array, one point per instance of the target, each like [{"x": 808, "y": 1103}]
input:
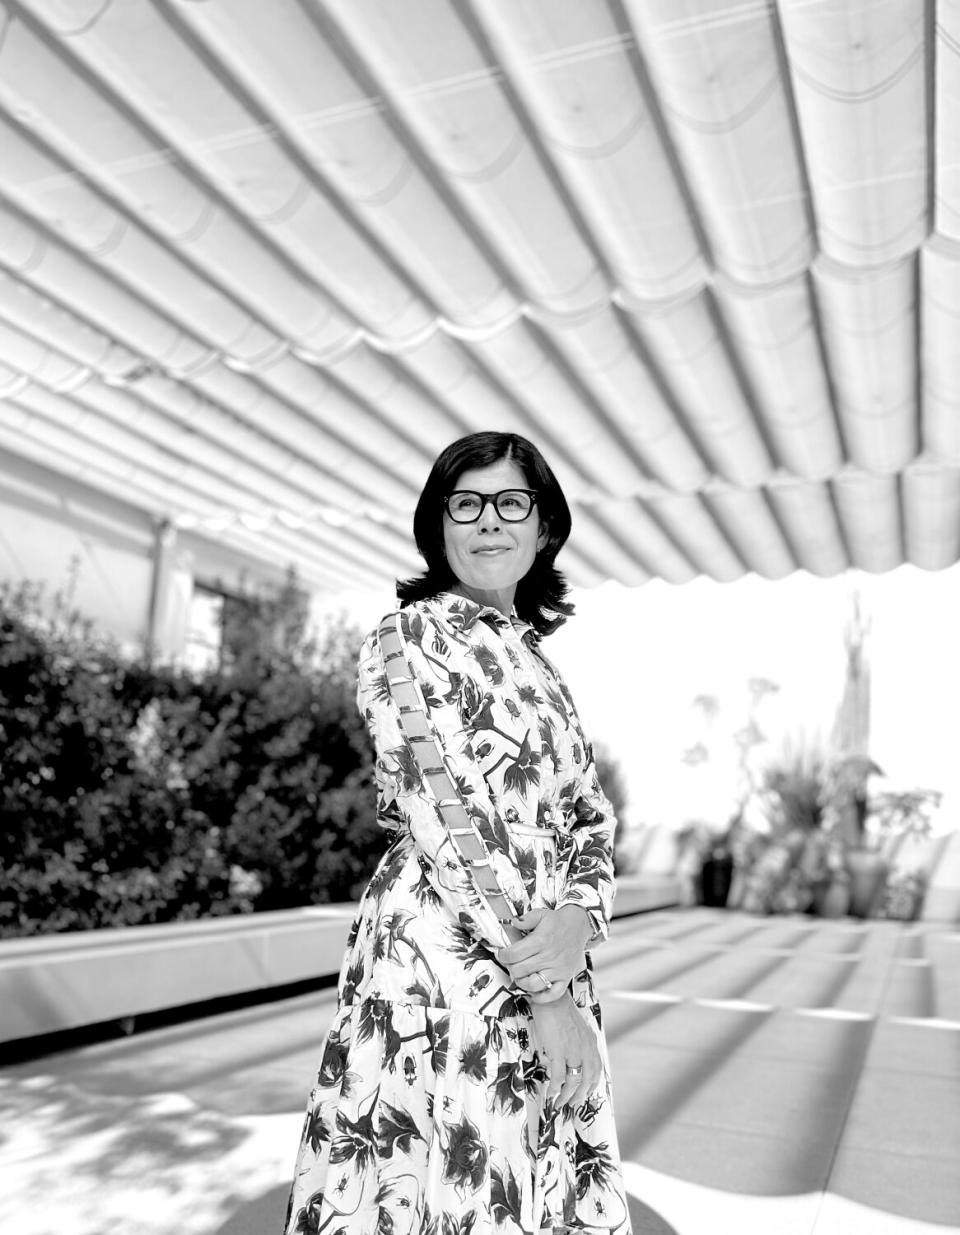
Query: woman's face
[{"x": 491, "y": 556}]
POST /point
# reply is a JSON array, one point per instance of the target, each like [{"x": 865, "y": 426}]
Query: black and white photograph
[{"x": 479, "y": 617}]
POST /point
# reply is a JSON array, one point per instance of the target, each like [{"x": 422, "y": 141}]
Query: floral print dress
[{"x": 430, "y": 1111}]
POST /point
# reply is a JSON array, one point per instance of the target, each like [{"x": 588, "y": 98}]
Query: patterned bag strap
[{"x": 417, "y": 730}]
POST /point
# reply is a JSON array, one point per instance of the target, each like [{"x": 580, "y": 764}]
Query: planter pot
[
  {"x": 903, "y": 897},
  {"x": 738, "y": 888},
  {"x": 868, "y": 874},
  {"x": 832, "y": 899},
  {"x": 716, "y": 875}
]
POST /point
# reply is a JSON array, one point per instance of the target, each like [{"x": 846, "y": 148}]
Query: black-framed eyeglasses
[{"x": 512, "y": 505}]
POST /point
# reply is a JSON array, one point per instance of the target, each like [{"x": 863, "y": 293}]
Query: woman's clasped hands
[
  {"x": 568, "y": 1049},
  {"x": 542, "y": 964},
  {"x": 551, "y": 953}
]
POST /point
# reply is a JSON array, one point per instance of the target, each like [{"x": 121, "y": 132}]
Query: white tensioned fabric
[
  {"x": 416, "y": 728},
  {"x": 255, "y": 274}
]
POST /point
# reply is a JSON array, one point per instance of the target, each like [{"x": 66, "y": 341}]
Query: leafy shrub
[
  {"x": 133, "y": 794},
  {"x": 613, "y": 783}
]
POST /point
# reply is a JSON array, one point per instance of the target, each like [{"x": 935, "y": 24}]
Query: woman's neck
[{"x": 498, "y": 598}]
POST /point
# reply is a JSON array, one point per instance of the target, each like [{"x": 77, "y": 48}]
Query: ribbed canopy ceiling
[{"x": 259, "y": 262}]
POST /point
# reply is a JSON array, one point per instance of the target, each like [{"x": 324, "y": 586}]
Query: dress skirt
[{"x": 430, "y": 1113}]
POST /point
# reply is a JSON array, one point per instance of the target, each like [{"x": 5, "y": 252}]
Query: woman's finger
[
  {"x": 588, "y": 1083},
  {"x": 548, "y": 958},
  {"x": 573, "y": 1075},
  {"x": 532, "y": 919},
  {"x": 551, "y": 952},
  {"x": 557, "y": 991},
  {"x": 559, "y": 980},
  {"x": 523, "y": 969},
  {"x": 558, "y": 1074},
  {"x": 517, "y": 952}
]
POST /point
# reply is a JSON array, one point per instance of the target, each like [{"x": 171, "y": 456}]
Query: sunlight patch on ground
[
  {"x": 91, "y": 1163},
  {"x": 692, "y": 1209}
]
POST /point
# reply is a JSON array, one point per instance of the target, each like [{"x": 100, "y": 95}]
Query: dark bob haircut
[{"x": 540, "y": 593}]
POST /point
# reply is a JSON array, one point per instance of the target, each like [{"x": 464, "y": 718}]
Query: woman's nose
[{"x": 489, "y": 519}]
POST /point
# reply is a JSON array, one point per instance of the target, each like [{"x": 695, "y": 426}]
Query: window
[{"x": 204, "y": 639}]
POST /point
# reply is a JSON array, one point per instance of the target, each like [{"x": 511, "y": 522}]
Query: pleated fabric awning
[{"x": 259, "y": 262}]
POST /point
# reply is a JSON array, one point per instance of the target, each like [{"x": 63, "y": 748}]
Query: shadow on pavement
[
  {"x": 646, "y": 1221},
  {"x": 261, "y": 1216}
]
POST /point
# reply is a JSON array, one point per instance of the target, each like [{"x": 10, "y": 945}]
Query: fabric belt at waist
[{"x": 531, "y": 829}]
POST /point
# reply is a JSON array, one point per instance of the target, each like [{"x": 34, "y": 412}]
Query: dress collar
[{"x": 462, "y": 613}]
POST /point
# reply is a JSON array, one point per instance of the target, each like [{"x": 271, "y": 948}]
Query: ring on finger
[
  {"x": 575, "y": 1071},
  {"x": 545, "y": 982}
]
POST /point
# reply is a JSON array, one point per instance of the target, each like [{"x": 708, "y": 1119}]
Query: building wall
[
  {"x": 108, "y": 559},
  {"x": 74, "y": 541}
]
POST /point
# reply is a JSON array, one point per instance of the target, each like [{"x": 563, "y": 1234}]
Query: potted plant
[
  {"x": 793, "y": 865},
  {"x": 716, "y": 870},
  {"x": 903, "y": 895},
  {"x": 845, "y": 805},
  {"x": 706, "y": 864},
  {"x": 897, "y": 815},
  {"x": 793, "y": 782},
  {"x": 716, "y": 878},
  {"x": 896, "y": 818},
  {"x": 831, "y": 893}
]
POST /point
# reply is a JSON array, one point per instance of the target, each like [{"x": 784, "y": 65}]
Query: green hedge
[{"x": 134, "y": 794}]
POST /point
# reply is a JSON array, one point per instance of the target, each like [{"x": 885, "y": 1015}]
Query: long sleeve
[
  {"x": 429, "y": 778},
  {"x": 589, "y": 882},
  {"x": 589, "y": 879}
]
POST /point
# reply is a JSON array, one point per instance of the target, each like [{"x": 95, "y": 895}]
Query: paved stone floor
[{"x": 777, "y": 1076}]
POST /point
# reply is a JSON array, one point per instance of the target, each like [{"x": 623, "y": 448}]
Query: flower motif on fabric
[
  {"x": 547, "y": 744},
  {"x": 308, "y": 1217},
  {"x": 438, "y": 1042},
  {"x": 397, "y": 1198},
  {"x": 528, "y": 695},
  {"x": 465, "y": 1156},
  {"x": 462, "y": 615},
  {"x": 404, "y": 770},
  {"x": 333, "y": 1064},
  {"x": 523, "y": 773},
  {"x": 482, "y": 717},
  {"x": 527, "y": 866},
  {"x": 316, "y": 1130},
  {"x": 356, "y": 1142},
  {"x": 395, "y": 924},
  {"x": 505, "y": 1199},
  {"x": 489, "y": 665},
  {"x": 594, "y": 1165},
  {"x": 396, "y": 1130},
  {"x": 473, "y": 1061}
]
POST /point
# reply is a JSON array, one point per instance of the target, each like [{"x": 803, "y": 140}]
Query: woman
[{"x": 464, "y": 1085}]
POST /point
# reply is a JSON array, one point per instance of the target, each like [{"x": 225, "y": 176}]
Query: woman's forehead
[{"x": 504, "y": 474}]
